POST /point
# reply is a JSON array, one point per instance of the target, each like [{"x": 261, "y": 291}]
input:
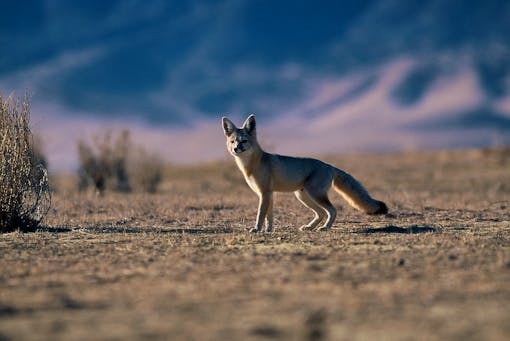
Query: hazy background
[{"x": 322, "y": 77}]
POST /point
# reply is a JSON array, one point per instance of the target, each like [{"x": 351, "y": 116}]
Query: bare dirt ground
[{"x": 180, "y": 264}]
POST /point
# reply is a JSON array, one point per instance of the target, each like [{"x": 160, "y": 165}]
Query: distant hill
[{"x": 393, "y": 74}]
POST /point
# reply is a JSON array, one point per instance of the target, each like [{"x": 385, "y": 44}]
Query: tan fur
[{"x": 309, "y": 179}]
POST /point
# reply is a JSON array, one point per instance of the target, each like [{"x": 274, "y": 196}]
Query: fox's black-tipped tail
[
  {"x": 383, "y": 209},
  {"x": 356, "y": 195}
]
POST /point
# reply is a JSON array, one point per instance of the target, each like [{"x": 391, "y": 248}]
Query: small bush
[
  {"x": 118, "y": 165},
  {"x": 24, "y": 190},
  {"x": 146, "y": 171}
]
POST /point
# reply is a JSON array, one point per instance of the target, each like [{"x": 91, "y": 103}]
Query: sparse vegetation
[
  {"x": 24, "y": 188},
  {"x": 118, "y": 164}
]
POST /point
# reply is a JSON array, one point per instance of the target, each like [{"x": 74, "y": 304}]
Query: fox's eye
[{"x": 232, "y": 141}]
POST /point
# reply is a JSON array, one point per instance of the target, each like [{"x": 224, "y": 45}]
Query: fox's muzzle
[{"x": 239, "y": 149}]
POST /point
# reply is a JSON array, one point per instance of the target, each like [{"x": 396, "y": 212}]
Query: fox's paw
[
  {"x": 255, "y": 230},
  {"x": 306, "y": 228},
  {"x": 269, "y": 229},
  {"x": 323, "y": 229}
]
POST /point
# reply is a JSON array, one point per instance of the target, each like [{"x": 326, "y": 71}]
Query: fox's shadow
[
  {"x": 413, "y": 229},
  {"x": 53, "y": 229}
]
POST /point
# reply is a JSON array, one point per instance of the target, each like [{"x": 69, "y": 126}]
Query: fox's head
[{"x": 241, "y": 140}]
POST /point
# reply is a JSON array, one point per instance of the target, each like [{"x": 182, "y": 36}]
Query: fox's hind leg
[
  {"x": 321, "y": 199},
  {"x": 306, "y": 200}
]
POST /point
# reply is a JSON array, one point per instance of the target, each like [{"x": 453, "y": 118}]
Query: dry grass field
[{"x": 179, "y": 265}]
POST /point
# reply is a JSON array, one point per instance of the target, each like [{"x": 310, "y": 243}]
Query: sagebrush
[
  {"x": 118, "y": 164},
  {"x": 24, "y": 188}
]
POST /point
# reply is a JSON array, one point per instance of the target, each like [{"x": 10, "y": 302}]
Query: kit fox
[{"x": 309, "y": 179}]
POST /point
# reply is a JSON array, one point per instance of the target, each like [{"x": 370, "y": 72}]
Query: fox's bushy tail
[{"x": 356, "y": 195}]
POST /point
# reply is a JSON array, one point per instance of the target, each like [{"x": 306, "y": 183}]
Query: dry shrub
[
  {"x": 24, "y": 189},
  {"x": 146, "y": 171},
  {"x": 104, "y": 164},
  {"x": 118, "y": 164}
]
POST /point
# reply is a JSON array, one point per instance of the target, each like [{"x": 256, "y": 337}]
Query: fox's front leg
[
  {"x": 265, "y": 212},
  {"x": 269, "y": 214}
]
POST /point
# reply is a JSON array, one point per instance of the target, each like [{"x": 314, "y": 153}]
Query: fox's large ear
[
  {"x": 228, "y": 126},
  {"x": 249, "y": 125}
]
